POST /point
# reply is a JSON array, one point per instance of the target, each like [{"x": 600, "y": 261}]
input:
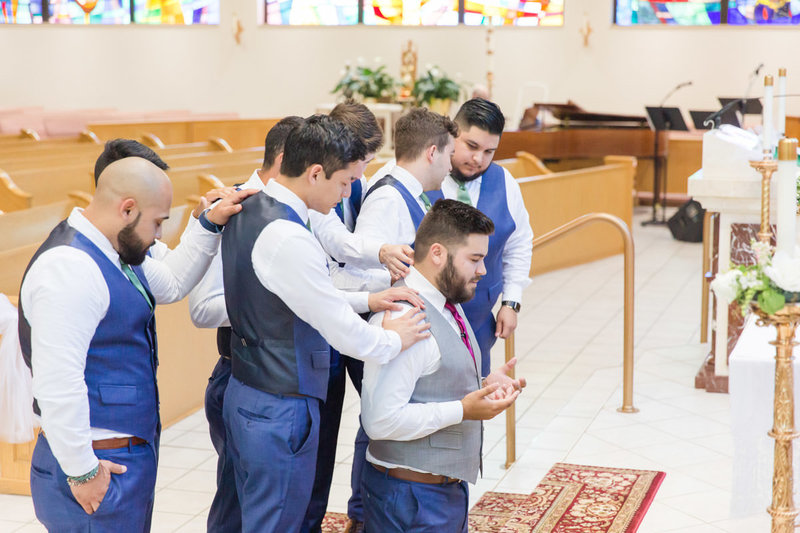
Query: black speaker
[{"x": 687, "y": 223}]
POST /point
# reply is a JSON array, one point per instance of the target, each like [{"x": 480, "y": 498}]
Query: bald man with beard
[{"x": 87, "y": 330}]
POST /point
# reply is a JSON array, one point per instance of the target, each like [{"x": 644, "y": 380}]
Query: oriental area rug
[{"x": 570, "y": 498}]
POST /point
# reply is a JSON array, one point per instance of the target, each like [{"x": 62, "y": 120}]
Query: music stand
[
  {"x": 751, "y": 107},
  {"x": 662, "y": 119},
  {"x": 699, "y": 118}
]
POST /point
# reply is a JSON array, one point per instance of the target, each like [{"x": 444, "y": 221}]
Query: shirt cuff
[
  {"x": 513, "y": 293},
  {"x": 359, "y": 301},
  {"x": 208, "y": 225},
  {"x": 372, "y": 249},
  {"x": 452, "y": 413},
  {"x": 78, "y": 466}
]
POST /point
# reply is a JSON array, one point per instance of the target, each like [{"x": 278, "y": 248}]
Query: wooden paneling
[{"x": 555, "y": 199}]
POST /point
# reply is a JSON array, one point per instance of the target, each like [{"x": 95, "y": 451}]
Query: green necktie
[
  {"x": 308, "y": 225},
  {"x": 136, "y": 283},
  {"x": 463, "y": 195},
  {"x": 424, "y": 198}
]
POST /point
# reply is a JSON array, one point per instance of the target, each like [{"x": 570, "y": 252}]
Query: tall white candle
[
  {"x": 781, "y": 122},
  {"x": 766, "y": 121},
  {"x": 786, "y": 196}
]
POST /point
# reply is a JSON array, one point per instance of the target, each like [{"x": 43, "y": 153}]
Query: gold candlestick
[
  {"x": 782, "y": 508},
  {"x": 767, "y": 168}
]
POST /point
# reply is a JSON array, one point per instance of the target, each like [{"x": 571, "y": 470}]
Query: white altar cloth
[{"x": 751, "y": 385}]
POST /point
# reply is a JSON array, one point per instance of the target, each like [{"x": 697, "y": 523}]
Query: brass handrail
[{"x": 627, "y": 372}]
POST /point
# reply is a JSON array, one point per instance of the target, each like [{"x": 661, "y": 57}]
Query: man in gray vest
[{"x": 423, "y": 410}]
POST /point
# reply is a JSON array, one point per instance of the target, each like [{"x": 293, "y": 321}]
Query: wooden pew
[
  {"x": 554, "y": 199},
  {"x": 240, "y": 133},
  {"x": 524, "y": 165}
]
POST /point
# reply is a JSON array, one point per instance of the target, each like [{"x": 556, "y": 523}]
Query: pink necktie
[{"x": 462, "y": 326}]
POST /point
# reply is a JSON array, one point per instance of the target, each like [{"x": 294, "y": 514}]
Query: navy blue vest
[
  {"x": 121, "y": 361},
  {"x": 272, "y": 349},
  {"x": 494, "y": 204},
  {"x": 416, "y": 212},
  {"x": 354, "y": 202}
]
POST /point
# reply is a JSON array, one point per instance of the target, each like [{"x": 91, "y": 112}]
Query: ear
[
  {"x": 430, "y": 152},
  {"x": 437, "y": 254},
  {"x": 315, "y": 173},
  {"x": 278, "y": 160},
  {"x": 128, "y": 210}
]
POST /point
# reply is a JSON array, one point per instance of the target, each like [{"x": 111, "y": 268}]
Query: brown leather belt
[
  {"x": 112, "y": 444},
  {"x": 405, "y": 474},
  {"x": 118, "y": 442}
]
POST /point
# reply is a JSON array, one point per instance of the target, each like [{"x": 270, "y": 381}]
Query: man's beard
[
  {"x": 458, "y": 176},
  {"x": 454, "y": 287},
  {"x": 132, "y": 248}
]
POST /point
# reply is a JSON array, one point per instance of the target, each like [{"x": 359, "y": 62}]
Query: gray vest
[{"x": 454, "y": 451}]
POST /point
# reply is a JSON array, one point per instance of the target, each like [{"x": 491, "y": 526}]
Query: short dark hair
[
  {"x": 482, "y": 113},
  {"x": 419, "y": 129},
  {"x": 449, "y": 222},
  {"x": 320, "y": 140},
  {"x": 360, "y": 119},
  {"x": 276, "y": 138},
  {"x": 120, "y": 149}
]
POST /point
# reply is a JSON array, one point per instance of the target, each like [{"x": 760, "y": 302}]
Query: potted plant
[
  {"x": 436, "y": 90},
  {"x": 366, "y": 83}
]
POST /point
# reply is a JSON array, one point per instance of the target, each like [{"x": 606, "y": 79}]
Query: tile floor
[{"x": 569, "y": 344}]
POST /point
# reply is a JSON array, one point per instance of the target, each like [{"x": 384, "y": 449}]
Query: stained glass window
[
  {"x": 110, "y": 11},
  {"x": 679, "y": 12},
  {"x": 514, "y": 12},
  {"x": 311, "y": 13},
  {"x": 411, "y": 12},
  {"x": 177, "y": 11},
  {"x": 763, "y": 12}
]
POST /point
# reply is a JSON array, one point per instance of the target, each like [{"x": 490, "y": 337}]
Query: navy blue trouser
[
  {"x": 126, "y": 508},
  {"x": 272, "y": 442},
  {"x": 225, "y": 515},
  {"x": 330, "y": 419},
  {"x": 392, "y": 505}
]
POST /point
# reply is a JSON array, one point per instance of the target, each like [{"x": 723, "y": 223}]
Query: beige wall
[{"x": 277, "y": 71}]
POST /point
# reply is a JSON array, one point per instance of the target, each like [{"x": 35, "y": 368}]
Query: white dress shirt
[
  {"x": 519, "y": 246},
  {"x": 291, "y": 264},
  {"x": 384, "y": 215},
  {"x": 386, "y": 389},
  {"x": 207, "y": 299},
  {"x": 65, "y": 297}
]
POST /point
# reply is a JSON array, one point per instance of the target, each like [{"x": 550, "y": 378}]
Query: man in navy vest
[
  {"x": 87, "y": 330},
  {"x": 284, "y": 312},
  {"x": 395, "y": 204},
  {"x": 477, "y": 181},
  {"x": 422, "y": 410}
]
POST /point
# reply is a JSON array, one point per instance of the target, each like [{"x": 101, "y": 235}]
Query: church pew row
[
  {"x": 51, "y": 181},
  {"x": 240, "y": 133},
  {"x": 524, "y": 165}
]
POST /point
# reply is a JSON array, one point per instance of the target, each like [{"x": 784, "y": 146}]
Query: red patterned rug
[{"x": 570, "y": 499}]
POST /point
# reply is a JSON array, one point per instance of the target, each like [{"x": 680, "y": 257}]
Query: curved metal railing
[{"x": 627, "y": 362}]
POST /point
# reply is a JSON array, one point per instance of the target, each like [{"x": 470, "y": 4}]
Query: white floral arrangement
[{"x": 771, "y": 282}]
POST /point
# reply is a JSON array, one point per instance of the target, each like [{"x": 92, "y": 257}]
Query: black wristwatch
[{"x": 513, "y": 305}]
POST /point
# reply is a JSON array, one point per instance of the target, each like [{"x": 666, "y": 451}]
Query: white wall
[{"x": 282, "y": 70}]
